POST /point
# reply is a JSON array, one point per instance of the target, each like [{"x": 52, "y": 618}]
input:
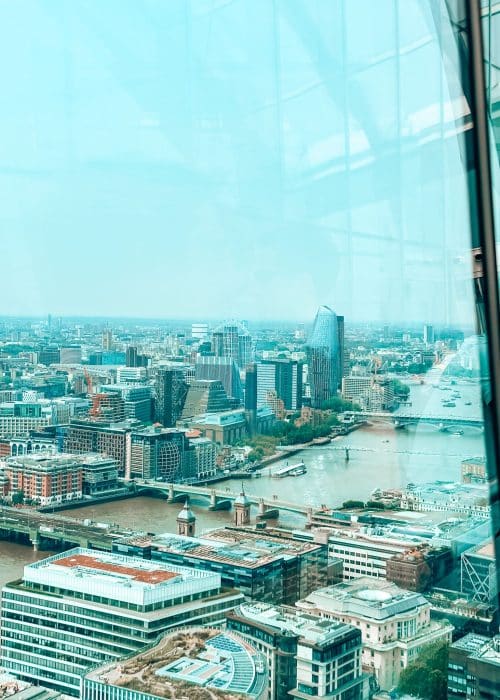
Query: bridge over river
[
  {"x": 221, "y": 498},
  {"x": 402, "y": 419},
  {"x": 41, "y": 528}
]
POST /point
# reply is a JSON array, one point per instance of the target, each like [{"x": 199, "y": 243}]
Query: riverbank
[
  {"x": 71, "y": 505},
  {"x": 289, "y": 450}
]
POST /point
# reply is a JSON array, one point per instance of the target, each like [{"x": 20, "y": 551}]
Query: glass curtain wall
[{"x": 242, "y": 164}]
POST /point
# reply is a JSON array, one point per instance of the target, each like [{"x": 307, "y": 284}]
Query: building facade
[
  {"x": 269, "y": 569},
  {"x": 107, "y": 438},
  {"x": 324, "y": 354},
  {"x": 474, "y": 668},
  {"x": 223, "y": 369},
  {"x": 478, "y": 573},
  {"x": 157, "y": 453},
  {"x": 45, "y": 478},
  {"x": 170, "y": 391},
  {"x": 205, "y": 455},
  {"x": 80, "y": 608},
  {"x": 205, "y": 396},
  {"x": 305, "y": 656},
  {"x": 395, "y": 624},
  {"x": 282, "y": 377}
]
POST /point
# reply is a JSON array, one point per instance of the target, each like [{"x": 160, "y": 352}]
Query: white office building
[{"x": 83, "y": 607}]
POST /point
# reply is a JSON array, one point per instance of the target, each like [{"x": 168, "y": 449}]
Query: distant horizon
[{"x": 219, "y": 320}]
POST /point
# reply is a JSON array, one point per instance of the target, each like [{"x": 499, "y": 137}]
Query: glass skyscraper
[{"x": 323, "y": 356}]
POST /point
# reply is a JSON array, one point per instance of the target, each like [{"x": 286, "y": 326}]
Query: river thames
[{"x": 379, "y": 457}]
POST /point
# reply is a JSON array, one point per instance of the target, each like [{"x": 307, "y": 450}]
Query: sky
[{"x": 230, "y": 158}]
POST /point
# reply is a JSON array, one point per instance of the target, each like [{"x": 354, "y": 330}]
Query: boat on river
[{"x": 292, "y": 470}]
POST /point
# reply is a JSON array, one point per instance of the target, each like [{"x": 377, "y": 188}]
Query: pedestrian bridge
[{"x": 222, "y": 498}]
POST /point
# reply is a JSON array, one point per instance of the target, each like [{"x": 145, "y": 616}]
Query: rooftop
[
  {"x": 237, "y": 547},
  {"x": 90, "y": 564},
  {"x": 309, "y": 627},
  {"x": 365, "y": 597},
  {"x": 43, "y": 461},
  {"x": 118, "y": 578},
  {"x": 485, "y": 648},
  {"x": 484, "y": 549},
  {"x": 219, "y": 664}
]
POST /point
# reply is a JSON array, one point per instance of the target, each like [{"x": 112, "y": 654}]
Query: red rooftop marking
[{"x": 154, "y": 576}]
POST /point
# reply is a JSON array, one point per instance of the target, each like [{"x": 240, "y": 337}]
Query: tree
[
  {"x": 256, "y": 454},
  {"x": 353, "y": 504},
  {"x": 18, "y": 498},
  {"x": 376, "y": 505},
  {"x": 427, "y": 676},
  {"x": 338, "y": 405},
  {"x": 400, "y": 388}
]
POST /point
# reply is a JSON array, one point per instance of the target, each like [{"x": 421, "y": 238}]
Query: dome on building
[
  {"x": 373, "y": 595},
  {"x": 242, "y": 499},
  {"x": 187, "y": 514}
]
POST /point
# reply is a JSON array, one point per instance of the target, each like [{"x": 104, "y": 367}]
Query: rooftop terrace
[{"x": 198, "y": 663}]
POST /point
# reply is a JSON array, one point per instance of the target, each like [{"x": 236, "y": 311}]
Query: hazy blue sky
[{"x": 240, "y": 158}]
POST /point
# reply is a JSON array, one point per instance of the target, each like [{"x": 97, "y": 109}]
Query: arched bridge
[{"x": 222, "y": 498}]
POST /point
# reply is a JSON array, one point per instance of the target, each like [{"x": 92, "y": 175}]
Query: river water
[{"x": 379, "y": 456}]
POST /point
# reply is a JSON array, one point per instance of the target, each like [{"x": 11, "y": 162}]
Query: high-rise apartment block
[
  {"x": 428, "y": 334},
  {"x": 325, "y": 356},
  {"x": 233, "y": 340}
]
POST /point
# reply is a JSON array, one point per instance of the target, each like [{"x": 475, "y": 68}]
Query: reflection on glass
[{"x": 184, "y": 185}]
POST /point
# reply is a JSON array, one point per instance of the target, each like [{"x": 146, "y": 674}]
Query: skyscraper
[
  {"x": 170, "y": 393},
  {"x": 233, "y": 340},
  {"x": 428, "y": 334},
  {"x": 284, "y": 377},
  {"x": 107, "y": 339},
  {"x": 131, "y": 356},
  {"x": 324, "y": 356}
]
